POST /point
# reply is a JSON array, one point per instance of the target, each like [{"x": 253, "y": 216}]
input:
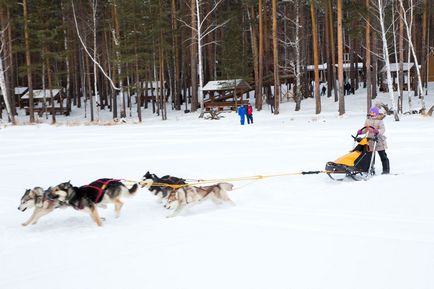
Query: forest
[{"x": 120, "y": 55}]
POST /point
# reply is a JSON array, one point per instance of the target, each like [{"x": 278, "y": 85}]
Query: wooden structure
[
  {"x": 394, "y": 69},
  {"x": 43, "y": 101},
  {"x": 19, "y": 91},
  {"x": 225, "y": 94}
]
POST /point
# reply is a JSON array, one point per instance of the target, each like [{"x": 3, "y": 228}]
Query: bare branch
[{"x": 87, "y": 51}]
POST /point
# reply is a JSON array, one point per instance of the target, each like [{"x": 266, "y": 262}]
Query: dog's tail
[{"x": 133, "y": 189}]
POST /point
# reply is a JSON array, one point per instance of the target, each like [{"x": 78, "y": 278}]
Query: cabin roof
[
  {"x": 39, "y": 93},
  {"x": 230, "y": 84}
]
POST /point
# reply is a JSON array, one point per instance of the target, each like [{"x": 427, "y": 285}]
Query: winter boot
[{"x": 386, "y": 166}]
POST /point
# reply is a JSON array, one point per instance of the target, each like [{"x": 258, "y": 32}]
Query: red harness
[{"x": 100, "y": 185}]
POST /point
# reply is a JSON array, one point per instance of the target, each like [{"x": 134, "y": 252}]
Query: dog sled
[{"x": 358, "y": 164}]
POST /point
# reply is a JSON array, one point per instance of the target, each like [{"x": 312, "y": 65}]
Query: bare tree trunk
[
  {"x": 368, "y": 59},
  {"x": 401, "y": 62},
  {"x": 374, "y": 79},
  {"x": 194, "y": 98},
  {"x": 395, "y": 52},
  {"x": 423, "y": 59},
  {"x": 95, "y": 97},
  {"x": 116, "y": 38},
  {"x": 28, "y": 61},
  {"x": 175, "y": 41},
  {"x": 413, "y": 52},
  {"x": 298, "y": 75},
  {"x": 386, "y": 58},
  {"x": 328, "y": 48},
  {"x": 340, "y": 61},
  {"x": 315, "y": 57},
  {"x": 3, "y": 86},
  {"x": 10, "y": 81},
  {"x": 50, "y": 88},
  {"x": 89, "y": 88},
  {"x": 254, "y": 45},
  {"x": 258, "y": 97},
  {"x": 162, "y": 70},
  {"x": 67, "y": 59},
  {"x": 275, "y": 59},
  {"x": 333, "y": 53}
]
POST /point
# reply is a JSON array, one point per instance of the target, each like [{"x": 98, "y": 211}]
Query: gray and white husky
[
  {"x": 43, "y": 202},
  {"x": 190, "y": 195}
]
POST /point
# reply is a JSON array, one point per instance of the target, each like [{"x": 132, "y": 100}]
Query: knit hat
[{"x": 374, "y": 111}]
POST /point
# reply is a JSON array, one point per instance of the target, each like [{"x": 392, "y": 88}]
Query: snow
[
  {"x": 395, "y": 67},
  {"x": 293, "y": 231},
  {"x": 225, "y": 84}
]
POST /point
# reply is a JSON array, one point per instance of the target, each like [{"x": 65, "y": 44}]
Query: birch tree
[
  {"x": 275, "y": 58},
  {"x": 3, "y": 69},
  {"x": 380, "y": 7},
  {"x": 201, "y": 30},
  {"x": 413, "y": 52}
]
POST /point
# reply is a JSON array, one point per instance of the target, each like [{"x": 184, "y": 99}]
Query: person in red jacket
[{"x": 249, "y": 114}]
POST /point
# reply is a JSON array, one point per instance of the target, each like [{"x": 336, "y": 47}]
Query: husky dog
[
  {"x": 190, "y": 195},
  {"x": 158, "y": 190},
  {"x": 43, "y": 202},
  {"x": 101, "y": 191}
]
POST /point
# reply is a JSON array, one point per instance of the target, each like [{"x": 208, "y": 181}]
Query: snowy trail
[{"x": 284, "y": 232}]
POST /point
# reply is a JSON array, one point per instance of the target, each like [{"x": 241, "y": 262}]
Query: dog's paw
[{"x": 24, "y": 224}]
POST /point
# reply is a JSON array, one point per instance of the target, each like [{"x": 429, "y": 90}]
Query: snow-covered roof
[
  {"x": 323, "y": 66},
  {"x": 230, "y": 84},
  {"x": 39, "y": 93},
  {"x": 320, "y": 67},
  {"x": 18, "y": 90},
  {"x": 395, "y": 66}
]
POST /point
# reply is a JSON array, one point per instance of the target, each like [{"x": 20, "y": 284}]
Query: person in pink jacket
[{"x": 374, "y": 126}]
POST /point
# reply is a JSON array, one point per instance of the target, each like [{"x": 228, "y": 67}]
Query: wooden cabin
[
  {"x": 221, "y": 94},
  {"x": 42, "y": 101}
]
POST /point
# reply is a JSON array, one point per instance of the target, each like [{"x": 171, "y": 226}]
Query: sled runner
[{"x": 358, "y": 164}]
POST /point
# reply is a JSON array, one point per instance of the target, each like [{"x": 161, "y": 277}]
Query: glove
[
  {"x": 359, "y": 132},
  {"x": 376, "y": 131}
]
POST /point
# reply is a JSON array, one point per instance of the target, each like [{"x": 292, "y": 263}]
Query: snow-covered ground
[{"x": 293, "y": 231}]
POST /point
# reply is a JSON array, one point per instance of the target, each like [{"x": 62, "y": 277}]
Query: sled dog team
[{"x": 174, "y": 193}]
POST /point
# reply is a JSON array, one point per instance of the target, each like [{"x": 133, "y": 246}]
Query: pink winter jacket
[{"x": 377, "y": 122}]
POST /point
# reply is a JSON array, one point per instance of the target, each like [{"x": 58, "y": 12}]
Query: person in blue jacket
[{"x": 242, "y": 114}]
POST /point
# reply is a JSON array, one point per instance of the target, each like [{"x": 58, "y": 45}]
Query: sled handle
[{"x": 369, "y": 126}]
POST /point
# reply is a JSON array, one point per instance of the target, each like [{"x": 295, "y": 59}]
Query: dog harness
[{"x": 99, "y": 186}]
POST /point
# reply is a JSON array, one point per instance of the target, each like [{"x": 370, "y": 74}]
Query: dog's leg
[
  {"x": 178, "y": 210},
  {"x": 37, "y": 213},
  {"x": 95, "y": 216},
  {"x": 225, "y": 197},
  {"x": 32, "y": 217},
  {"x": 41, "y": 213},
  {"x": 216, "y": 199},
  {"x": 118, "y": 206}
]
